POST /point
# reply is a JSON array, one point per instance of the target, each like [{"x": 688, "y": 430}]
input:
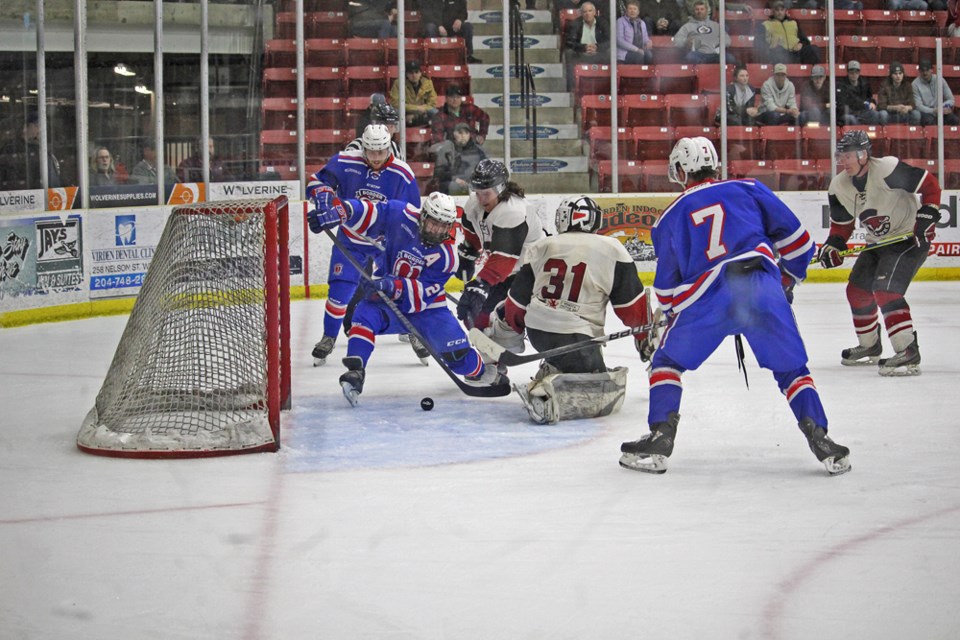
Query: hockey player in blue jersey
[
  {"x": 420, "y": 256},
  {"x": 372, "y": 173},
  {"x": 718, "y": 275}
]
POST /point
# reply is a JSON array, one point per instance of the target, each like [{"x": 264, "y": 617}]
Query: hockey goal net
[{"x": 203, "y": 366}]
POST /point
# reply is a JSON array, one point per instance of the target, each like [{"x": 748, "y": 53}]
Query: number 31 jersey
[{"x": 566, "y": 281}]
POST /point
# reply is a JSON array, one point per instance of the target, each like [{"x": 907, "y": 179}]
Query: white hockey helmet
[
  {"x": 376, "y": 137},
  {"x": 691, "y": 155},
  {"x": 438, "y": 214},
  {"x": 579, "y": 214}
]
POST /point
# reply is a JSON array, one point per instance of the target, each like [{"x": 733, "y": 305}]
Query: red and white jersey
[
  {"x": 567, "y": 280},
  {"x": 502, "y": 235},
  {"x": 888, "y": 204}
]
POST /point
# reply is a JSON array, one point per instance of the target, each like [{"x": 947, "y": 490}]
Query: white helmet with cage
[
  {"x": 579, "y": 214},
  {"x": 691, "y": 155},
  {"x": 376, "y": 137},
  {"x": 438, "y": 214}
]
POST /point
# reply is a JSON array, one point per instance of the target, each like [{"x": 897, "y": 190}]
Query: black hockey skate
[
  {"x": 322, "y": 349},
  {"x": 859, "y": 356},
  {"x": 835, "y": 457},
  {"x": 649, "y": 454},
  {"x": 419, "y": 349},
  {"x": 352, "y": 380},
  {"x": 903, "y": 363}
]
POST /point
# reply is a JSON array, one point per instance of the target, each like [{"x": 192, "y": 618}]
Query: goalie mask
[
  {"x": 691, "y": 155},
  {"x": 438, "y": 214},
  {"x": 579, "y": 214}
]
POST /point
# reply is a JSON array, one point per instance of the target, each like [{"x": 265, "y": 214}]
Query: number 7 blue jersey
[{"x": 717, "y": 222}]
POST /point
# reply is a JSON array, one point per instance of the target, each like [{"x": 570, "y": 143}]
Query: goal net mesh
[{"x": 190, "y": 375}]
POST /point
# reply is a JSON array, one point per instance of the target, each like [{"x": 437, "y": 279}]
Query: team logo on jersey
[
  {"x": 369, "y": 194},
  {"x": 877, "y": 224}
]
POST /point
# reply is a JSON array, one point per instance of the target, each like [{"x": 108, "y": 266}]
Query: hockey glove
[
  {"x": 471, "y": 302},
  {"x": 788, "y": 283},
  {"x": 829, "y": 255},
  {"x": 328, "y": 212},
  {"x": 392, "y": 287},
  {"x": 468, "y": 261},
  {"x": 645, "y": 345},
  {"x": 925, "y": 228}
]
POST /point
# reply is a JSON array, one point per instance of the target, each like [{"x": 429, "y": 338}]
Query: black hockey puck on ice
[{"x": 426, "y": 404}]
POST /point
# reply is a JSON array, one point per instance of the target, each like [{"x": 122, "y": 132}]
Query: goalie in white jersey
[
  {"x": 890, "y": 198},
  {"x": 560, "y": 296}
]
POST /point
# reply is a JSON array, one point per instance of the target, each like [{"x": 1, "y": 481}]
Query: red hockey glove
[
  {"x": 925, "y": 228},
  {"x": 829, "y": 255}
]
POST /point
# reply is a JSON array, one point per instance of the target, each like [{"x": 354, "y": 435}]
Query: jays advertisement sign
[{"x": 40, "y": 256}]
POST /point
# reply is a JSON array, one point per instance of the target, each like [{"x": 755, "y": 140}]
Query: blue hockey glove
[
  {"x": 829, "y": 255},
  {"x": 925, "y": 228},
  {"x": 392, "y": 287},
  {"x": 471, "y": 302},
  {"x": 328, "y": 212}
]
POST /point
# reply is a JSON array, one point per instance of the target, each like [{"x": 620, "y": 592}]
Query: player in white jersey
[
  {"x": 498, "y": 225},
  {"x": 889, "y": 198},
  {"x": 560, "y": 296}
]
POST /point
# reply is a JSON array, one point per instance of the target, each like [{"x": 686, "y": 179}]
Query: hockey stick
[
  {"x": 868, "y": 247},
  {"x": 494, "y": 391},
  {"x": 499, "y": 354}
]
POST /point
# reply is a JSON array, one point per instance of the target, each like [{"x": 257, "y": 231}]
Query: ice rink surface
[{"x": 469, "y": 522}]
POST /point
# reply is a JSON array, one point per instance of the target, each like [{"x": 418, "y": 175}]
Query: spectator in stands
[
  {"x": 191, "y": 169},
  {"x": 103, "y": 169},
  {"x": 373, "y": 19},
  {"x": 448, "y": 19},
  {"x": 145, "y": 171},
  {"x": 456, "y": 160},
  {"x": 895, "y": 99},
  {"x": 953, "y": 18},
  {"x": 844, "y": 5},
  {"x": 781, "y": 39},
  {"x": 925, "y": 97},
  {"x": 915, "y": 5},
  {"x": 587, "y": 41},
  {"x": 633, "y": 44},
  {"x": 421, "y": 96},
  {"x": 455, "y": 111},
  {"x": 701, "y": 37},
  {"x": 662, "y": 16},
  {"x": 741, "y": 99},
  {"x": 713, "y": 9},
  {"x": 855, "y": 103},
  {"x": 815, "y": 98},
  {"x": 778, "y": 105},
  {"x": 20, "y": 158}
]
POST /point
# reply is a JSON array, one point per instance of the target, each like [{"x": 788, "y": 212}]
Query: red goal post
[{"x": 203, "y": 365}]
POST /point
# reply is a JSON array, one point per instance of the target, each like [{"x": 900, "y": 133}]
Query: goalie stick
[
  {"x": 494, "y": 391},
  {"x": 500, "y": 355},
  {"x": 868, "y": 247}
]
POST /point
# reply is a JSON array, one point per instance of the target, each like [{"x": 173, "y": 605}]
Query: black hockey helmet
[
  {"x": 855, "y": 140},
  {"x": 579, "y": 214},
  {"x": 489, "y": 174},
  {"x": 384, "y": 114}
]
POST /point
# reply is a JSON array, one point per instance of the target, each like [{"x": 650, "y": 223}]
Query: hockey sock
[
  {"x": 337, "y": 299},
  {"x": 801, "y": 394},
  {"x": 897, "y": 318},
  {"x": 361, "y": 342},
  {"x": 665, "y": 392},
  {"x": 866, "y": 318}
]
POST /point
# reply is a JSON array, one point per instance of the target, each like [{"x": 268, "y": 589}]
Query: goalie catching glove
[
  {"x": 829, "y": 255},
  {"x": 925, "y": 228},
  {"x": 328, "y": 212},
  {"x": 471, "y": 302}
]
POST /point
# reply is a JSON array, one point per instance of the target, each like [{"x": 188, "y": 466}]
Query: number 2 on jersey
[
  {"x": 714, "y": 216},
  {"x": 554, "y": 289}
]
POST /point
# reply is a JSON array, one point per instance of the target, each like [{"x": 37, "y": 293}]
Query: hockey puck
[{"x": 426, "y": 404}]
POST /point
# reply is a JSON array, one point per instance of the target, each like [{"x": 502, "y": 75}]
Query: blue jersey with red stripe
[
  {"x": 421, "y": 270},
  {"x": 349, "y": 176},
  {"x": 717, "y": 222}
]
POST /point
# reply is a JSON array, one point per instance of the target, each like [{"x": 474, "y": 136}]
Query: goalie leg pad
[{"x": 571, "y": 396}]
